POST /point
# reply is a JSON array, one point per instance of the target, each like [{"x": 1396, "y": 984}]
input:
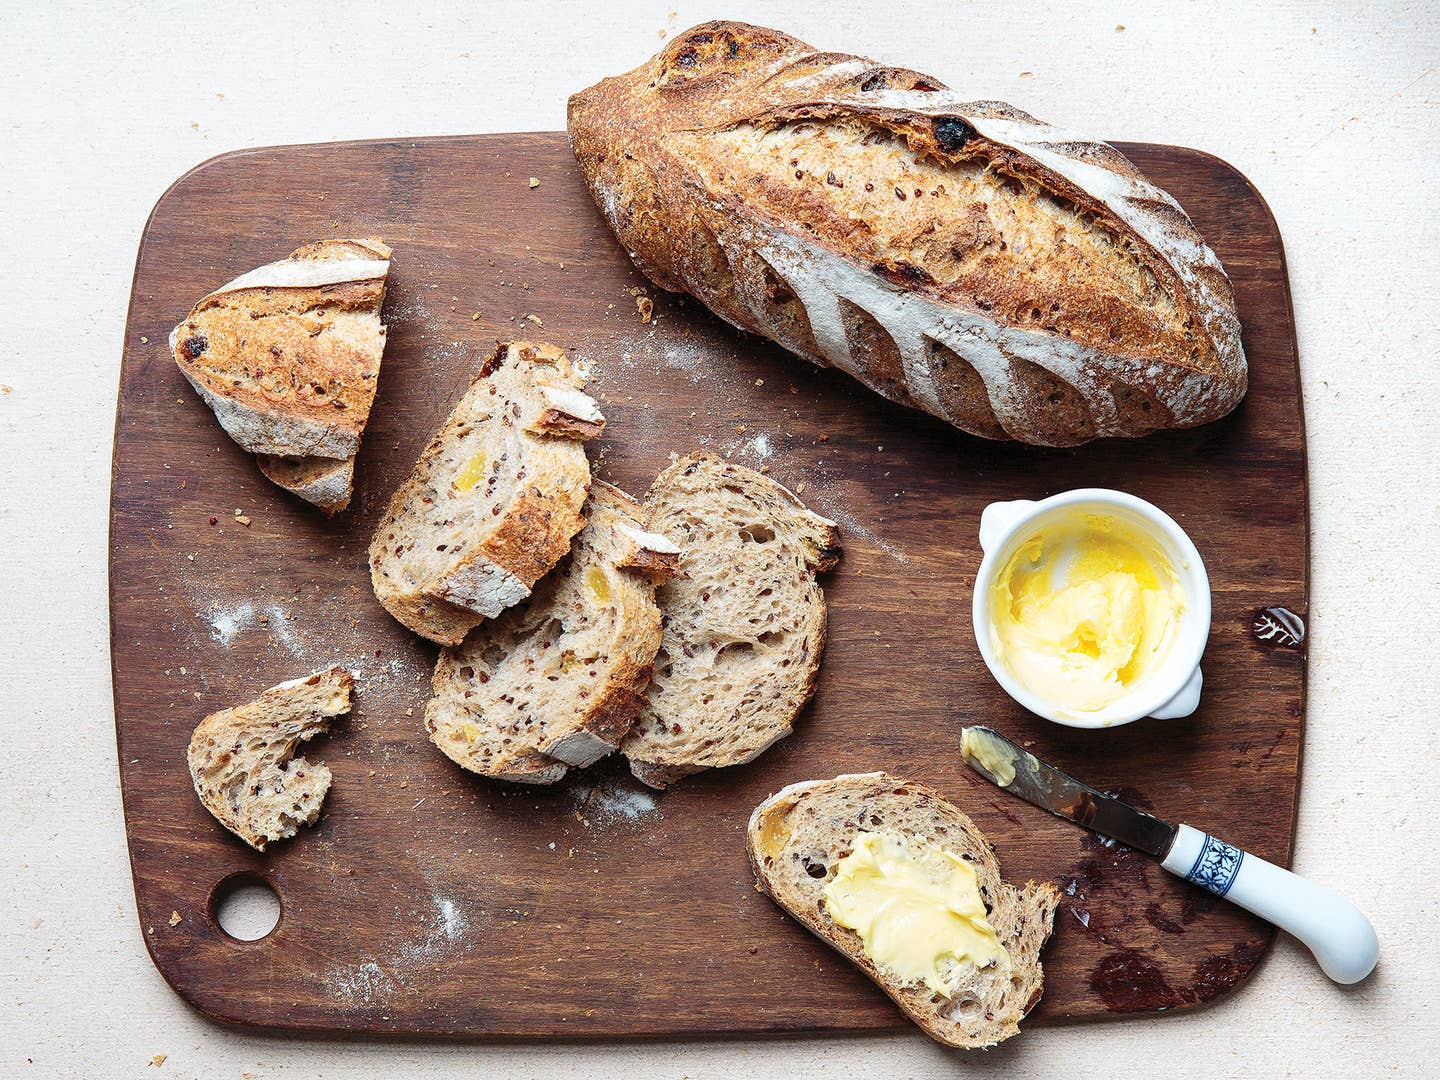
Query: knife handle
[{"x": 1335, "y": 930}]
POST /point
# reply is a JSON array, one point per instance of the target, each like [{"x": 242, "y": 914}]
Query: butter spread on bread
[
  {"x": 799, "y": 841},
  {"x": 243, "y": 762},
  {"x": 744, "y": 619},
  {"x": 492, "y": 503},
  {"x": 557, "y": 682},
  {"x": 287, "y": 356},
  {"x": 959, "y": 257}
]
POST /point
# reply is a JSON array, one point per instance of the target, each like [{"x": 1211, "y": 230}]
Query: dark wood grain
[{"x": 429, "y": 901}]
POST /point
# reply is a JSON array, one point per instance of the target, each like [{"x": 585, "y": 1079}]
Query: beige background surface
[{"x": 1331, "y": 112}]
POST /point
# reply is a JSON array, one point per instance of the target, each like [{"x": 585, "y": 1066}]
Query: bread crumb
[
  {"x": 158, "y": 1060},
  {"x": 535, "y": 319},
  {"x": 1120, "y": 28},
  {"x": 475, "y": 317},
  {"x": 822, "y": 437},
  {"x": 175, "y": 918},
  {"x": 404, "y": 783},
  {"x": 534, "y": 182},
  {"x": 243, "y": 520},
  {"x": 800, "y": 488},
  {"x": 144, "y": 340},
  {"x": 409, "y": 712},
  {"x": 1027, "y": 74},
  {"x": 759, "y": 382},
  {"x": 646, "y": 307}
]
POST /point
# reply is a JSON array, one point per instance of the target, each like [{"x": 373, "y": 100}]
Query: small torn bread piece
[
  {"x": 744, "y": 619},
  {"x": 557, "y": 682},
  {"x": 323, "y": 481},
  {"x": 492, "y": 503},
  {"x": 243, "y": 761},
  {"x": 797, "y": 839},
  {"x": 288, "y": 356}
]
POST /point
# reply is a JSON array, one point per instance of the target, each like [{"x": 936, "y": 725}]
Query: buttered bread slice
[
  {"x": 558, "y": 681},
  {"x": 903, "y": 885},
  {"x": 744, "y": 619},
  {"x": 288, "y": 358},
  {"x": 492, "y": 503},
  {"x": 243, "y": 762}
]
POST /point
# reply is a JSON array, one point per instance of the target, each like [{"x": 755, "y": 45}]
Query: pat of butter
[
  {"x": 471, "y": 472},
  {"x": 992, "y": 755},
  {"x": 917, "y": 909},
  {"x": 1085, "y": 610}
]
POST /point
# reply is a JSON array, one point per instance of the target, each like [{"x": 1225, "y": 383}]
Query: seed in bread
[
  {"x": 243, "y": 761},
  {"x": 557, "y": 682},
  {"x": 959, "y": 257},
  {"x": 492, "y": 503},
  {"x": 744, "y": 619},
  {"x": 288, "y": 358},
  {"x": 797, "y": 838}
]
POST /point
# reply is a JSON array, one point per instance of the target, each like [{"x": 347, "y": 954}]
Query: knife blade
[
  {"x": 1020, "y": 772},
  {"x": 1335, "y": 930}
]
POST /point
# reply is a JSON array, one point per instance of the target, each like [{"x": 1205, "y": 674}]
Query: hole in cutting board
[{"x": 245, "y": 906}]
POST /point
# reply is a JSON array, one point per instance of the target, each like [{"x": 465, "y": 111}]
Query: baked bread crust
[
  {"x": 796, "y": 837},
  {"x": 492, "y": 503},
  {"x": 557, "y": 682},
  {"x": 959, "y": 257}
]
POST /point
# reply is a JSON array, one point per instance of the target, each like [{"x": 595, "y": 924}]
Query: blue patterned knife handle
[{"x": 1217, "y": 866}]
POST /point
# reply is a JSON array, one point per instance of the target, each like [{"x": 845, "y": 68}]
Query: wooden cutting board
[{"x": 428, "y": 901}]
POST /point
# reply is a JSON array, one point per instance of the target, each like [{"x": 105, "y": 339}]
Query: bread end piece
[
  {"x": 796, "y": 837},
  {"x": 243, "y": 764},
  {"x": 325, "y": 482}
]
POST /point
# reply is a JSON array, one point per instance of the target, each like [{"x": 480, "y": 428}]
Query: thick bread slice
[
  {"x": 493, "y": 501},
  {"x": 744, "y": 619},
  {"x": 558, "y": 681},
  {"x": 326, "y": 482},
  {"x": 961, "y": 257},
  {"x": 243, "y": 762},
  {"x": 796, "y": 838},
  {"x": 288, "y": 357}
]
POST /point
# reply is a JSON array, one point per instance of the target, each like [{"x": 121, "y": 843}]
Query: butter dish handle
[
  {"x": 1185, "y": 702},
  {"x": 995, "y": 520},
  {"x": 1331, "y": 927}
]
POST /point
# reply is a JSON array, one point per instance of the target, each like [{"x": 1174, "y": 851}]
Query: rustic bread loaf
[
  {"x": 744, "y": 619},
  {"x": 493, "y": 501},
  {"x": 288, "y": 356},
  {"x": 243, "y": 761},
  {"x": 557, "y": 681},
  {"x": 796, "y": 838},
  {"x": 958, "y": 257}
]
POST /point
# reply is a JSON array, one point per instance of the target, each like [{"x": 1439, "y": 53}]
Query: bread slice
[
  {"x": 744, "y": 619},
  {"x": 288, "y": 357},
  {"x": 326, "y": 482},
  {"x": 493, "y": 501},
  {"x": 796, "y": 838},
  {"x": 243, "y": 761},
  {"x": 558, "y": 681}
]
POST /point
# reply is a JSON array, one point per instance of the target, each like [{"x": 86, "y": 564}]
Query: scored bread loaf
[
  {"x": 959, "y": 257},
  {"x": 243, "y": 762},
  {"x": 795, "y": 839},
  {"x": 744, "y": 619},
  {"x": 557, "y": 681},
  {"x": 288, "y": 358},
  {"x": 493, "y": 501}
]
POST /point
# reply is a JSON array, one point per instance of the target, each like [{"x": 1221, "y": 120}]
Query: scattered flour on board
[
  {"x": 613, "y": 801},
  {"x": 377, "y": 981}
]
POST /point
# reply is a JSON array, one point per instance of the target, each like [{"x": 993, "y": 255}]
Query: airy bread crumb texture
[
  {"x": 796, "y": 838},
  {"x": 242, "y": 760},
  {"x": 556, "y": 682},
  {"x": 744, "y": 619},
  {"x": 493, "y": 501}
]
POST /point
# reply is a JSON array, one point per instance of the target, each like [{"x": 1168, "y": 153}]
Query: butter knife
[{"x": 1331, "y": 927}]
